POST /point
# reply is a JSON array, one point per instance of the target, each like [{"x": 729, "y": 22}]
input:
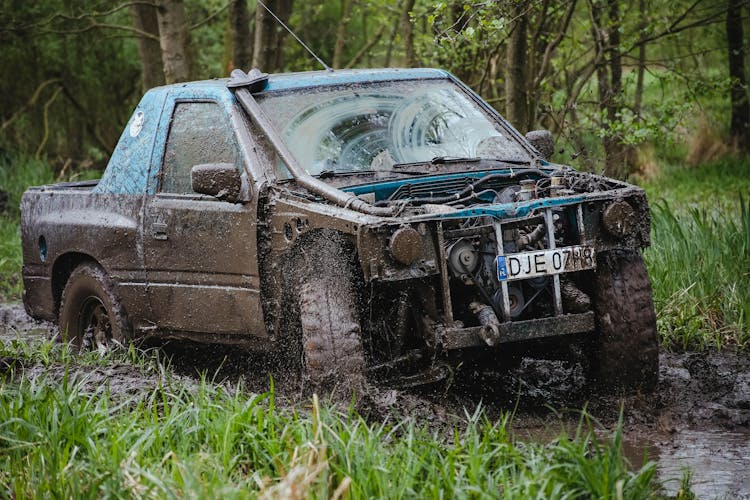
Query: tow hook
[{"x": 490, "y": 331}]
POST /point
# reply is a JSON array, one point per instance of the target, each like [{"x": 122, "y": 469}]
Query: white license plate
[{"x": 521, "y": 266}]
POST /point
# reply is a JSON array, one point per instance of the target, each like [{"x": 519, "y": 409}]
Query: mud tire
[
  {"x": 329, "y": 328},
  {"x": 91, "y": 316},
  {"x": 625, "y": 353}
]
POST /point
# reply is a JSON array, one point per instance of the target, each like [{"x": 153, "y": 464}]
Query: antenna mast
[{"x": 327, "y": 68}]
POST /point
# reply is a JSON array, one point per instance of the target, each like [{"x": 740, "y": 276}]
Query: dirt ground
[{"x": 698, "y": 417}]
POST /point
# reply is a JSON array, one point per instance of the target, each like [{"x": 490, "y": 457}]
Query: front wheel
[
  {"x": 625, "y": 354},
  {"x": 91, "y": 316},
  {"x": 329, "y": 331}
]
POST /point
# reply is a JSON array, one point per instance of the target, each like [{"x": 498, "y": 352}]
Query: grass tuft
[
  {"x": 699, "y": 262},
  {"x": 61, "y": 437}
]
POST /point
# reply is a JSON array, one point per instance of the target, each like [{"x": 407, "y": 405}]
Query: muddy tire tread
[
  {"x": 626, "y": 351},
  {"x": 329, "y": 324},
  {"x": 90, "y": 277}
]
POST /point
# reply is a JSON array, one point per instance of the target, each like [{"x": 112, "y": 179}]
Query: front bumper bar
[{"x": 516, "y": 331}]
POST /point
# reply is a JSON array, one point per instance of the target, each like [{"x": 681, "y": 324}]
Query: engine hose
[
  {"x": 475, "y": 196},
  {"x": 471, "y": 188}
]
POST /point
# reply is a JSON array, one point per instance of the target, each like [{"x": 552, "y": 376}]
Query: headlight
[
  {"x": 619, "y": 219},
  {"x": 406, "y": 245}
]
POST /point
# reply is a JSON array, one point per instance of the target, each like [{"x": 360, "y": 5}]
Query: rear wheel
[
  {"x": 91, "y": 316},
  {"x": 625, "y": 354}
]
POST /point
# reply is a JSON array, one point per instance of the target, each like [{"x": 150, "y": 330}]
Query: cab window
[{"x": 200, "y": 132}]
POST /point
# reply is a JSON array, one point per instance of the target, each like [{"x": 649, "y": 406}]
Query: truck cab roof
[{"x": 307, "y": 79}]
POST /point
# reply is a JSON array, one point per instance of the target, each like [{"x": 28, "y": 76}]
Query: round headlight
[
  {"x": 406, "y": 245},
  {"x": 619, "y": 219}
]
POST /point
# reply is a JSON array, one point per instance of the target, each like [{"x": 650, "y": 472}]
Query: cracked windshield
[{"x": 379, "y": 126}]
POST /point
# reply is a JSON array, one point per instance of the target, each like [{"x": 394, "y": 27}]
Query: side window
[{"x": 200, "y": 133}]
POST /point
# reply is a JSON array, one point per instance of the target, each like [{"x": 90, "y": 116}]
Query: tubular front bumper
[{"x": 516, "y": 331}]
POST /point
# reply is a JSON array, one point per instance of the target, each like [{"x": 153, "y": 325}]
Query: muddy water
[
  {"x": 719, "y": 461},
  {"x": 14, "y": 323},
  {"x": 698, "y": 417}
]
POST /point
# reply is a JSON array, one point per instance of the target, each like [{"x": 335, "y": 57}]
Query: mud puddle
[
  {"x": 697, "y": 418},
  {"x": 717, "y": 458}
]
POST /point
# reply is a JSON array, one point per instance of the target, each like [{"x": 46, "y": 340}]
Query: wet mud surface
[{"x": 698, "y": 417}]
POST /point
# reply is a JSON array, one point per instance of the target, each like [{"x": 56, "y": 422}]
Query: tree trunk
[
  {"x": 616, "y": 163},
  {"x": 338, "y": 49},
  {"x": 516, "y": 92},
  {"x": 239, "y": 27},
  {"x": 609, "y": 79},
  {"x": 641, "y": 63},
  {"x": 284, "y": 11},
  {"x": 173, "y": 36},
  {"x": 407, "y": 29},
  {"x": 740, "y": 122},
  {"x": 152, "y": 69},
  {"x": 265, "y": 46}
]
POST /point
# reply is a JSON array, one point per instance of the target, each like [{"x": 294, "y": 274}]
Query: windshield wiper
[
  {"x": 327, "y": 174},
  {"x": 442, "y": 160},
  {"x": 453, "y": 159}
]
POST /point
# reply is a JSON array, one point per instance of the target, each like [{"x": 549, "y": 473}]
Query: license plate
[{"x": 525, "y": 265}]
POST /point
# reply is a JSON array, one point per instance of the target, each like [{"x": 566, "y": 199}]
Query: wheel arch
[{"x": 63, "y": 267}]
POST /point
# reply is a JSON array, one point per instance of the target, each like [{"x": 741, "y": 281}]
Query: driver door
[{"x": 199, "y": 251}]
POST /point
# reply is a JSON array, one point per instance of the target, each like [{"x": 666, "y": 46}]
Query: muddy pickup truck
[{"x": 368, "y": 224}]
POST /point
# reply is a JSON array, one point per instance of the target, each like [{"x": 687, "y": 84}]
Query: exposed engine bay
[{"x": 470, "y": 288}]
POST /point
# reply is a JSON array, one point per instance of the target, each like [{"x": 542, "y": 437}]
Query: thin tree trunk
[
  {"x": 391, "y": 43},
  {"x": 631, "y": 152},
  {"x": 338, "y": 49},
  {"x": 544, "y": 54},
  {"x": 152, "y": 68},
  {"x": 516, "y": 94},
  {"x": 616, "y": 162},
  {"x": 641, "y": 63},
  {"x": 264, "y": 30},
  {"x": 284, "y": 12},
  {"x": 239, "y": 27},
  {"x": 268, "y": 40},
  {"x": 609, "y": 79},
  {"x": 173, "y": 36},
  {"x": 407, "y": 29},
  {"x": 740, "y": 122}
]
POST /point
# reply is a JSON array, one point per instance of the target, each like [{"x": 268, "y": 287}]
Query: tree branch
[
  {"x": 674, "y": 28},
  {"x": 81, "y": 17},
  {"x": 374, "y": 40},
  {"x": 561, "y": 30},
  {"x": 94, "y": 25},
  {"x": 45, "y": 115},
  {"x": 210, "y": 17},
  {"x": 29, "y": 104}
]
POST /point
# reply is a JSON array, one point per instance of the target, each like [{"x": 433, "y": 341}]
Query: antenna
[{"x": 328, "y": 68}]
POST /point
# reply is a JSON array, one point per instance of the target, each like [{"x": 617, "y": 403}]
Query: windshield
[{"x": 372, "y": 127}]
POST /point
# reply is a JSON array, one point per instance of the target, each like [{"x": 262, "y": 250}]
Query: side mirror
[
  {"x": 221, "y": 180},
  {"x": 543, "y": 142}
]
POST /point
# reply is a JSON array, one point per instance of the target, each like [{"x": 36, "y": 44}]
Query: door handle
[{"x": 159, "y": 230}]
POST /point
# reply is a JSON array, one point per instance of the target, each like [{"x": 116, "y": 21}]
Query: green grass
[
  {"x": 16, "y": 175},
  {"x": 699, "y": 261},
  {"x": 63, "y": 438},
  {"x": 716, "y": 186},
  {"x": 11, "y": 260}
]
